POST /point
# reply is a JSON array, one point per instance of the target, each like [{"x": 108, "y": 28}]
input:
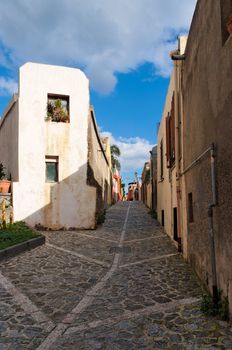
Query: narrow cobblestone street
[{"x": 123, "y": 286}]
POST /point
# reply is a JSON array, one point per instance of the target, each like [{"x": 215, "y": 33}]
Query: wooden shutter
[
  {"x": 173, "y": 126},
  {"x": 168, "y": 140}
]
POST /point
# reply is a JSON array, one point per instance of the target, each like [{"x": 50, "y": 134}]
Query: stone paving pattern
[
  {"x": 102, "y": 293},
  {"x": 17, "y": 329}
]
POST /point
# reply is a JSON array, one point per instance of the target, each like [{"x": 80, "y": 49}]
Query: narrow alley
[{"x": 123, "y": 286}]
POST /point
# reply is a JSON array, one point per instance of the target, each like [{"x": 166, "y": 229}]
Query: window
[
  {"x": 226, "y": 19},
  {"x": 161, "y": 160},
  {"x": 170, "y": 136},
  {"x": 51, "y": 168},
  {"x": 162, "y": 217},
  {"x": 190, "y": 207},
  {"x": 58, "y": 108},
  {"x": 175, "y": 224}
]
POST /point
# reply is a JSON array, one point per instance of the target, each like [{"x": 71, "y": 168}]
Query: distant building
[
  {"x": 116, "y": 186},
  {"x": 50, "y": 145},
  {"x": 134, "y": 191},
  {"x": 149, "y": 181},
  {"x": 146, "y": 189},
  {"x": 153, "y": 174}
]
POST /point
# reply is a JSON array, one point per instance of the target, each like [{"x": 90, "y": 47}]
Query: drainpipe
[{"x": 211, "y": 227}]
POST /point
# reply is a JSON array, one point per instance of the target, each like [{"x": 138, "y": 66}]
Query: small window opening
[
  {"x": 190, "y": 207},
  {"x": 175, "y": 224},
  {"x": 162, "y": 218},
  {"x": 51, "y": 168},
  {"x": 58, "y": 108}
]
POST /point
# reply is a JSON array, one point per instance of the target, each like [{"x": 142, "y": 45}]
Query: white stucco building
[{"x": 44, "y": 144}]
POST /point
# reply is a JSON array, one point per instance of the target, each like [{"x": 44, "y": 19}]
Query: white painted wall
[{"x": 70, "y": 202}]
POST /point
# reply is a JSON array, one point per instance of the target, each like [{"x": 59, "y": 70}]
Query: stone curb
[{"x": 21, "y": 247}]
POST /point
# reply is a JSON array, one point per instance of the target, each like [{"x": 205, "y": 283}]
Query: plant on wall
[{"x": 56, "y": 112}]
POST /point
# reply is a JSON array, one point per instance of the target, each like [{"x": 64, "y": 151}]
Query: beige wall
[
  {"x": 171, "y": 188},
  {"x": 149, "y": 195},
  {"x": 99, "y": 163},
  {"x": 166, "y": 186},
  {"x": 208, "y": 118}
]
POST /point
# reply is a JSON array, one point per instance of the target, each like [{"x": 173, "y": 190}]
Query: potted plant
[
  {"x": 4, "y": 183},
  {"x": 56, "y": 112},
  {"x": 229, "y": 24}
]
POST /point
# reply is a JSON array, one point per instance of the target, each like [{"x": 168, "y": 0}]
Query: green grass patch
[
  {"x": 100, "y": 218},
  {"x": 15, "y": 233},
  {"x": 153, "y": 213},
  {"x": 219, "y": 309}
]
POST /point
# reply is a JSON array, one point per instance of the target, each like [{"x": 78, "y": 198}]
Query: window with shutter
[
  {"x": 168, "y": 140},
  {"x": 170, "y": 136},
  {"x": 161, "y": 161},
  {"x": 173, "y": 130}
]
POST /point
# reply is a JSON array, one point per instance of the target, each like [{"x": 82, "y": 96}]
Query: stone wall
[{"x": 207, "y": 88}]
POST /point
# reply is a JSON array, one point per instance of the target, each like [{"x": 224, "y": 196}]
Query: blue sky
[
  {"x": 123, "y": 47},
  {"x": 135, "y": 106}
]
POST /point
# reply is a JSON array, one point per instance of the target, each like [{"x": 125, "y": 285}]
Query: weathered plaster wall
[
  {"x": 208, "y": 118},
  {"x": 9, "y": 139},
  {"x": 99, "y": 171},
  {"x": 147, "y": 185},
  {"x": 106, "y": 145},
  {"x": 70, "y": 202}
]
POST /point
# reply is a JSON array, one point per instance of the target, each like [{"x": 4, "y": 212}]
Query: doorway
[
  {"x": 162, "y": 217},
  {"x": 175, "y": 224}
]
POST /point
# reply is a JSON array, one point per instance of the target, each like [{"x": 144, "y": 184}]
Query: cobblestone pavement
[{"x": 123, "y": 286}]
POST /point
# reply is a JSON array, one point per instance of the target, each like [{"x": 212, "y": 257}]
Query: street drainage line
[
  {"x": 147, "y": 260},
  {"x": 95, "y": 237},
  {"x": 26, "y": 304},
  {"x": 127, "y": 315},
  {"x": 91, "y": 260},
  {"x": 87, "y": 299},
  {"x": 145, "y": 239}
]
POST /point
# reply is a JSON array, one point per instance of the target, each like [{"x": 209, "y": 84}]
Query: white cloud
[
  {"x": 134, "y": 151},
  {"x": 8, "y": 86},
  {"x": 103, "y": 37}
]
